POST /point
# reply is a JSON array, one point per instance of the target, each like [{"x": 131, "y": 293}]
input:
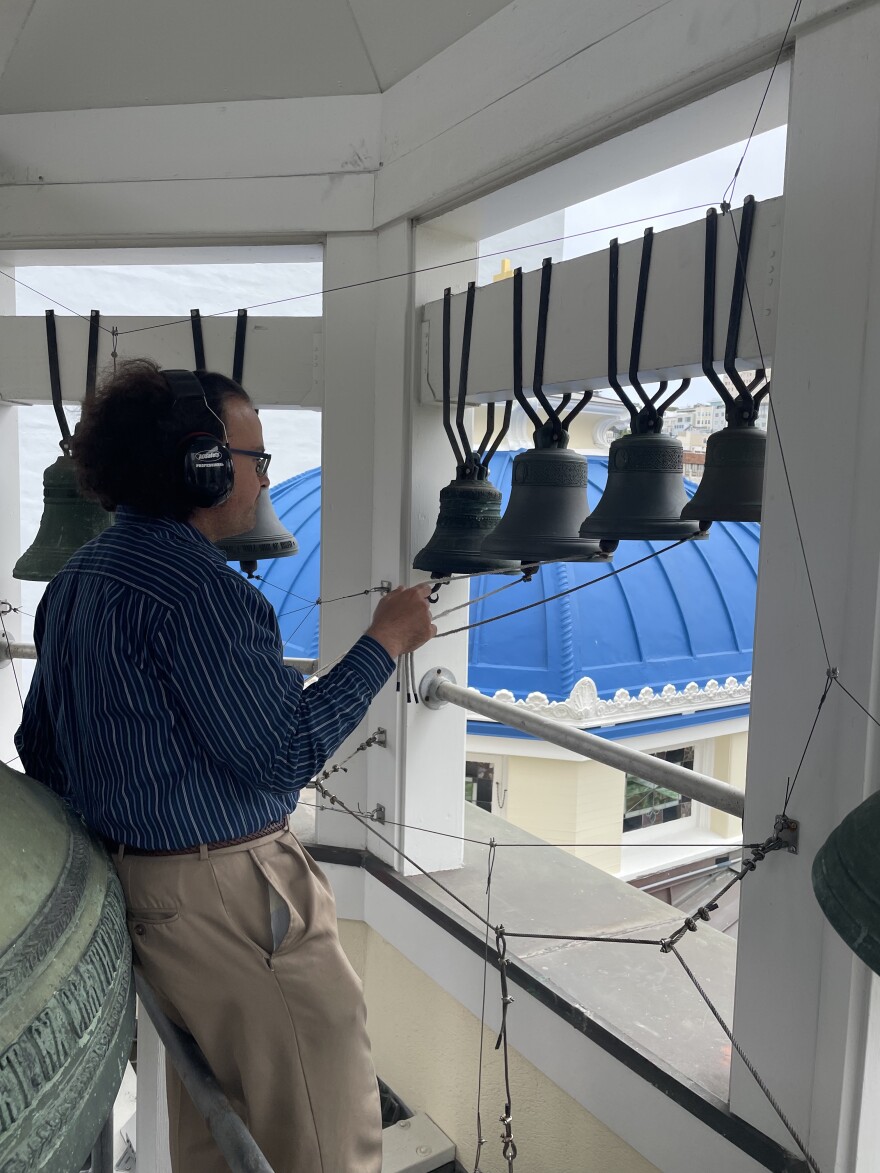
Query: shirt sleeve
[
  {"x": 35, "y": 737},
  {"x": 222, "y": 658}
]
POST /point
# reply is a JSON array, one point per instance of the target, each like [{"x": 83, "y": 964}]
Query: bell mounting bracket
[
  {"x": 649, "y": 417},
  {"x": 741, "y": 410},
  {"x": 471, "y": 464},
  {"x": 554, "y": 431}
]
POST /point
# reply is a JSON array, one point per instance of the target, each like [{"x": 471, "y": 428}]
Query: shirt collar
[{"x": 127, "y": 515}]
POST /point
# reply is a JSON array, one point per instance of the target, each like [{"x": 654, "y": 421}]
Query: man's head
[{"x": 131, "y": 442}]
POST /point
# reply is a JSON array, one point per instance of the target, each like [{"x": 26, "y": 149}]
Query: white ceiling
[{"x": 85, "y": 54}]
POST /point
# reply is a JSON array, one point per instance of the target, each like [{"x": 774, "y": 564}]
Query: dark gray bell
[
  {"x": 267, "y": 539},
  {"x": 548, "y": 496},
  {"x": 470, "y": 509},
  {"x": 68, "y": 522},
  {"x": 733, "y": 478},
  {"x": 846, "y": 880},
  {"x": 644, "y": 495}
]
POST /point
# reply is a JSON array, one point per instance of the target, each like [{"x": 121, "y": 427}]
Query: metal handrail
[
  {"x": 239, "y": 1149},
  {"x": 438, "y": 688},
  {"x": 19, "y": 651}
]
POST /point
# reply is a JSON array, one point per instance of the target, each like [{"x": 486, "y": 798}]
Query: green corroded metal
[
  {"x": 68, "y": 522},
  {"x": 470, "y": 509},
  {"x": 846, "y": 880},
  {"x": 66, "y": 989}
]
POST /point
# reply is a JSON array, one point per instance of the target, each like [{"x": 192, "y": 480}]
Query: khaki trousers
[{"x": 282, "y": 1025}]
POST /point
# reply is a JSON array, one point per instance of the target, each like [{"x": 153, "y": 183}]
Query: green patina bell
[
  {"x": 846, "y": 880},
  {"x": 66, "y": 989},
  {"x": 268, "y": 539},
  {"x": 68, "y": 522},
  {"x": 470, "y": 509}
]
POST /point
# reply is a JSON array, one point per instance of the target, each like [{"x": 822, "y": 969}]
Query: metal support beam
[
  {"x": 21, "y": 651},
  {"x": 238, "y": 1147},
  {"x": 438, "y": 688}
]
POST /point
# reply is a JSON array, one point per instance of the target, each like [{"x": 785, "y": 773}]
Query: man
[{"x": 162, "y": 712}]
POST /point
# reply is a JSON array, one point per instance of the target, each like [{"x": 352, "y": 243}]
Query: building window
[
  {"x": 648, "y": 805},
  {"x": 478, "y": 781}
]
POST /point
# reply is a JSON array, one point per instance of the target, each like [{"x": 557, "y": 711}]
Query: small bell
[
  {"x": 470, "y": 509},
  {"x": 548, "y": 496},
  {"x": 644, "y": 495},
  {"x": 68, "y": 522},
  {"x": 846, "y": 880},
  {"x": 267, "y": 539},
  {"x": 733, "y": 478}
]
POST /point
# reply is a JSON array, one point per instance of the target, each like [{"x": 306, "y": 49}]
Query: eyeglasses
[{"x": 262, "y": 458}]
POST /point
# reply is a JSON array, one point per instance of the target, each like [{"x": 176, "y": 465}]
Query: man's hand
[{"x": 402, "y": 619}]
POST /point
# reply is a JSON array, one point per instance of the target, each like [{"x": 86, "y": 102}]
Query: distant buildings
[
  {"x": 693, "y": 423},
  {"x": 704, "y": 417}
]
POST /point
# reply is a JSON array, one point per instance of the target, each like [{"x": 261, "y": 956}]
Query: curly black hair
[{"x": 128, "y": 444}]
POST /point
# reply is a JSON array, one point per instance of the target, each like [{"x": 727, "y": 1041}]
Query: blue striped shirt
[{"x": 161, "y": 708}]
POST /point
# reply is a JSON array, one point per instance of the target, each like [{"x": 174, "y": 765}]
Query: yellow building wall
[
  {"x": 426, "y": 1048},
  {"x": 568, "y": 802},
  {"x": 730, "y": 766}
]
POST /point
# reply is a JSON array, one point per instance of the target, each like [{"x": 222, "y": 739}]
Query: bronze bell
[
  {"x": 470, "y": 509},
  {"x": 267, "y": 539},
  {"x": 846, "y": 880},
  {"x": 68, "y": 522},
  {"x": 733, "y": 477},
  {"x": 548, "y": 496},
  {"x": 644, "y": 495}
]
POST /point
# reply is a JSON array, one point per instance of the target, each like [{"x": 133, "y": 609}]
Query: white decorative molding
[{"x": 585, "y": 708}]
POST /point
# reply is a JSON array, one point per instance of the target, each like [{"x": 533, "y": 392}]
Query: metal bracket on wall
[{"x": 787, "y": 834}]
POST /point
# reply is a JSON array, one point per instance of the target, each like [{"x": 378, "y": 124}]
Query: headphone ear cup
[{"x": 208, "y": 471}]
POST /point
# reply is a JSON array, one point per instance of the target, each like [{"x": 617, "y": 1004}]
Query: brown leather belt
[{"x": 278, "y": 825}]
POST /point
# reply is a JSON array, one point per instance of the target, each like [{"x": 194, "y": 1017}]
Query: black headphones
[{"x": 208, "y": 471}]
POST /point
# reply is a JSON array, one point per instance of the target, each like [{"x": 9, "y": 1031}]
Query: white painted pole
[
  {"x": 437, "y": 689},
  {"x": 25, "y": 651}
]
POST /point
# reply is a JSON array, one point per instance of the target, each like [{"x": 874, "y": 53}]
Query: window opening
[{"x": 648, "y": 805}]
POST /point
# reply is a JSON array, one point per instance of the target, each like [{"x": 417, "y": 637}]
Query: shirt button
[{"x": 140, "y": 930}]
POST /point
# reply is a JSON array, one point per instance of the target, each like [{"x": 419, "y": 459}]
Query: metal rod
[
  {"x": 437, "y": 689},
  {"x": 238, "y": 1147},
  {"x": 728, "y": 866},
  {"x": 17, "y": 651}
]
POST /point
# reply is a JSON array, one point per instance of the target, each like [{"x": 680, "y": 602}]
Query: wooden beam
[
  {"x": 577, "y": 334},
  {"x": 189, "y": 211},
  {"x": 209, "y": 141},
  {"x": 283, "y": 356}
]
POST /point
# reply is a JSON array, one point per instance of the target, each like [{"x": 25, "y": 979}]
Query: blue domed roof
[{"x": 686, "y": 616}]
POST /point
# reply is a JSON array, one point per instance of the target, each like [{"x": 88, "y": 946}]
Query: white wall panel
[
  {"x": 187, "y": 211},
  {"x": 539, "y": 82},
  {"x": 210, "y": 140}
]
